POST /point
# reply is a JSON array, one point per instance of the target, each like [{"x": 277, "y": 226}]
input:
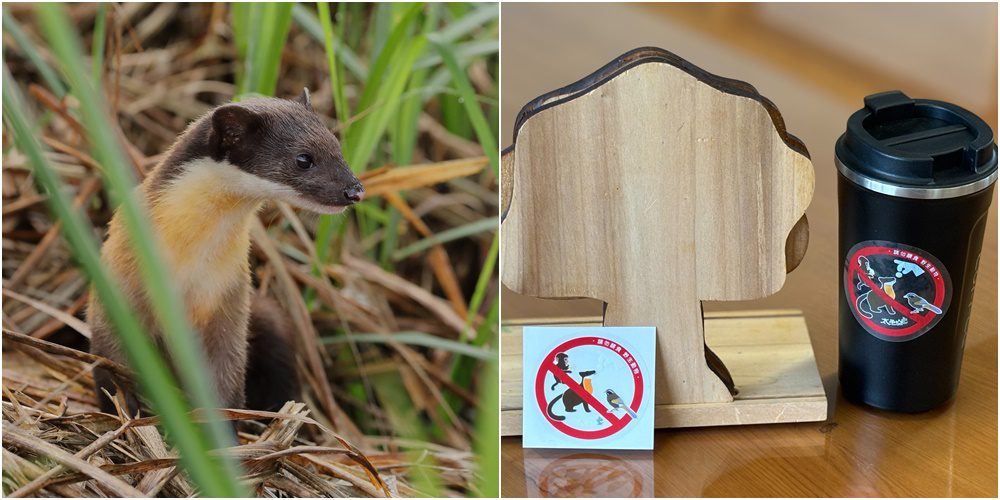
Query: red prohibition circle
[
  {"x": 547, "y": 366},
  {"x": 918, "y": 324}
]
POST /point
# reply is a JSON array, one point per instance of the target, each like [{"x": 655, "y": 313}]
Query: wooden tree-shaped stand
[{"x": 652, "y": 185}]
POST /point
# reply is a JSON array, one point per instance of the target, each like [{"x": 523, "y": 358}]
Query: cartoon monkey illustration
[
  {"x": 571, "y": 399},
  {"x": 866, "y": 268},
  {"x": 562, "y": 363},
  {"x": 874, "y": 301}
]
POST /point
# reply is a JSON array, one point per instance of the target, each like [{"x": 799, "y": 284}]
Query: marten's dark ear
[
  {"x": 232, "y": 123},
  {"x": 304, "y": 100}
]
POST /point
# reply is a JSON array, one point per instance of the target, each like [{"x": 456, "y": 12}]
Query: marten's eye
[{"x": 304, "y": 160}]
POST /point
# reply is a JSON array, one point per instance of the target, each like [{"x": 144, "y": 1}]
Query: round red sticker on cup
[{"x": 896, "y": 292}]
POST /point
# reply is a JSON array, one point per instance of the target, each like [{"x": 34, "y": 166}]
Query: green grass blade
[
  {"x": 390, "y": 240},
  {"x": 419, "y": 339},
  {"x": 382, "y": 20},
  {"x": 247, "y": 80},
  {"x": 482, "y": 284},
  {"x": 455, "y": 233},
  {"x": 324, "y": 233},
  {"x": 336, "y": 81},
  {"x": 263, "y": 58},
  {"x": 401, "y": 411},
  {"x": 468, "y": 97},
  {"x": 48, "y": 74},
  {"x": 463, "y": 52},
  {"x": 239, "y": 20},
  {"x": 354, "y": 34},
  {"x": 487, "y": 443},
  {"x": 454, "y": 117},
  {"x": 380, "y": 99},
  {"x": 469, "y": 22},
  {"x": 154, "y": 377},
  {"x": 372, "y": 127},
  {"x": 279, "y": 18},
  {"x": 452, "y": 107},
  {"x": 166, "y": 302},
  {"x": 375, "y": 82},
  {"x": 308, "y": 21},
  {"x": 485, "y": 275},
  {"x": 97, "y": 52},
  {"x": 462, "y": 368},
  {"x": 405, "y": 131}
]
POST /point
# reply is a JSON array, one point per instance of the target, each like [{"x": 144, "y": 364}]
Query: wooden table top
[{"x": 951, "y": 451}]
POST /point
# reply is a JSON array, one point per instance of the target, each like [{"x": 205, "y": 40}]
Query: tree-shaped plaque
[{"x": 653, "y": 185}]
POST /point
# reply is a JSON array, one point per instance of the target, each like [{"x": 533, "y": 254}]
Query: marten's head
[{"x": 288, "y": 151}]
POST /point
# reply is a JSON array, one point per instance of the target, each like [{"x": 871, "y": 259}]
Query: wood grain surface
[
  {"x": 653, "y": 190},
  {"x": 768, "y": 354},
  {"x": 951, "y": 451}
]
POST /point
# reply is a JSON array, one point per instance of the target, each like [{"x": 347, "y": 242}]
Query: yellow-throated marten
[{"x": 201, "y": 200}]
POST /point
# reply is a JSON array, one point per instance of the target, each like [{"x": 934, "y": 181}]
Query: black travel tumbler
[{"x": 914, "y": 188}]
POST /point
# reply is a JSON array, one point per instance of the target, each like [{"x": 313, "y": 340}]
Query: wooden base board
[{"x": 768, "y": 354}]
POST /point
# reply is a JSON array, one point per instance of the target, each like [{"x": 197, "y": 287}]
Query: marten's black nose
[{"x": 355, "y": 193}]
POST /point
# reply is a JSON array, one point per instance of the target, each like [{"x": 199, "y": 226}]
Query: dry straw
[{"x": 394, "y": 305}]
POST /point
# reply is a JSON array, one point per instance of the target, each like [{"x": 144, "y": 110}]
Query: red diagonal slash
[
  {"x": 905, "y": 311},
  {"x": 588, "y": 397}
]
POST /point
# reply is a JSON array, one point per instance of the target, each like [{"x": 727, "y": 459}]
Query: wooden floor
[{"x": 856, "y": 452}]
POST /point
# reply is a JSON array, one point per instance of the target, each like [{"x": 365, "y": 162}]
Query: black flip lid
[{"x": 917, "y": 143}]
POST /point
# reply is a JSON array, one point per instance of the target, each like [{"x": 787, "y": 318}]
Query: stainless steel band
[{"x": 914, "y": 192}]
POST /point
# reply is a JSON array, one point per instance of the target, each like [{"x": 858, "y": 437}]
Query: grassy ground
[{"x": 394, "y": 305}]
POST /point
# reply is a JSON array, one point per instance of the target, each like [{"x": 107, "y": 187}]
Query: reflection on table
[{"x": 584, "y": 473}]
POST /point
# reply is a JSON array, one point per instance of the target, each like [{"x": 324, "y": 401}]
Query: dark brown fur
[
  {"x": 262, "y": 136},
  {"x": 271, "y": 378}
]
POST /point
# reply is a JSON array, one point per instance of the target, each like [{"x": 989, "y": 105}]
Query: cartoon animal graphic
[
  {"x": 866, "y": 266},
  {"x": 874, "y": 302},
  {"x": 920, "y": 304},
  {"x": 616, "y": 402},
  {"x": 562, "y": 363},
  {"x": 904, "y": 266},
  {"x": 571, "y": 399}
]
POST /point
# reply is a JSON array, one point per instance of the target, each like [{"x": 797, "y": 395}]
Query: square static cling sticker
[{"x": 589, "y": 387}]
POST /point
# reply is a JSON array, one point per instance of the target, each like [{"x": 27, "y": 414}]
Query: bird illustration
[
  {"x": 920, "y": 304},
  {"x": 616, "y": 402}
]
